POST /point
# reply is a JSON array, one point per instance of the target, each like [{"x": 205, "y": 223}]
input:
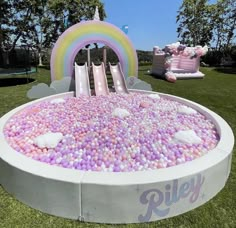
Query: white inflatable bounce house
[{"x": 177, "y": 61}]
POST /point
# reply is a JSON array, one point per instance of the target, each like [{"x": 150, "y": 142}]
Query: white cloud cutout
[
  {"x": 154, "y": 96},
  {"x": 57, "y": 101},
  {"x": 48, "y": 140},
  {"x": 131, "y": 81},
  {"x": 40, "y": 90},
  {"x": 142, "y": 86},
  {"x": 120, "y": 112},
  {"x": 186, "y": 110},
  {"x": 58, "y": 86},
  {"x": 188, "y": 136},
  {"x": 64, "y": 85},
  {"x": 135, "y": 83}
]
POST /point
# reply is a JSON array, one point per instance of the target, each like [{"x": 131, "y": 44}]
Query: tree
[
  {"x": 15, "y": 17},
  {"x": 72, "y": 12},
  {"x": 39, "y": 23},
  {"x": 195, "y": 27},
  {"x": 224, "y": 20},
  {"x": 219, "y": 32},
  {"x": 4, "y": 16}
]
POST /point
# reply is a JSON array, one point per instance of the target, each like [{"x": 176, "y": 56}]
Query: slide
[
  {"x": 100, "y": 80},
  {"x": 82, "y": 86},
  {"x": 118, "y": 78}
]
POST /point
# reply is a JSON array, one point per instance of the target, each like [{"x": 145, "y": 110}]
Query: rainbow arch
[{"x": 81, "y": 34}]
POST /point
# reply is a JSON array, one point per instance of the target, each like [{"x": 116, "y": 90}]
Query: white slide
[
  {"x": 118, "y": 78},
  {"x": 82, "y": 86},
  {"x": 100, "y": 80}
]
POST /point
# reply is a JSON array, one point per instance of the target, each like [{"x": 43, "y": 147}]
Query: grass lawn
[{"x": 217, "y": 91}]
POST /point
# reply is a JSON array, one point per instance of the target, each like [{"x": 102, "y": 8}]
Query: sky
[{"x": 150, "y": 22}]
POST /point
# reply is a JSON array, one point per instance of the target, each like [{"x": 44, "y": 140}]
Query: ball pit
[
  {"x": 115, "y": 133},
  {"x": 92, "y": 177}
]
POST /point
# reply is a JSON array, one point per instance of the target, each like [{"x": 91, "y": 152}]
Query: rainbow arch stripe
[{"x": 81, "y": 34}]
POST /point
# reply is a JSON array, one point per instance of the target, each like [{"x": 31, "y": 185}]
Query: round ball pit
[{"x": 123, "y": 197}]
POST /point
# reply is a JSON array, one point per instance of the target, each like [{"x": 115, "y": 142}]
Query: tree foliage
[
  {"x": 214, "y": 24},
  {"x": 194, "y": 20},
  {"x": 39, "y": 22},
  {"x": 224, "y": 20},
  {"x": 202, "y": 23},
  {"x": 13, "y": 21},
  {"x": 4, "y": 14}
]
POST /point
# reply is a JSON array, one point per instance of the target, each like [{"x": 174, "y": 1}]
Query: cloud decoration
[
  {"x": 58, "y": 86},
  {"x": 135, "y": 83},
  {"x": 154, "y": 96},
  {"x": 64, "y": 85},
  {"x": 57, "y": 101},
  {"x": 143, "y": 86},
  {"x": 120, "y": 112},
  {"x": 186, "y": 110},
  {"x": 40, "y": 90},
  {"x": 187, "y": 136},
  {"x": 48, "y": 140},
  {"x": 68, "y": 84}
]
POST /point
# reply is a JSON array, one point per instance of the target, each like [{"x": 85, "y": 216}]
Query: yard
[{"x": 217, "y": 91}]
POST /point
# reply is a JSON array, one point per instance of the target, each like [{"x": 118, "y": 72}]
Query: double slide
[{"x": 100, "y": 79}]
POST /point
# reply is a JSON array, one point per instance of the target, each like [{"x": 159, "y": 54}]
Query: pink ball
[{"x": 144, "y": 104}]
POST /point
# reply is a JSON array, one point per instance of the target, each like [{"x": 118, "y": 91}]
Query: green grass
[{"x": 217, "y": 91}]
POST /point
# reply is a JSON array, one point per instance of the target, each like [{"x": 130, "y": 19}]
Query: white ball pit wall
[{"x": 131, "y": 197}]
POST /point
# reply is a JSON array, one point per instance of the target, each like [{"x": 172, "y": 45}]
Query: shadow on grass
[
  {"x": 226, "y": 70},
  {"x": 159, "y": 77},
  {"x": 5, "y": 82}
]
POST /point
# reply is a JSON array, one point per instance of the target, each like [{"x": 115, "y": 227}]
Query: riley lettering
[{"x": 155, "y": 198}]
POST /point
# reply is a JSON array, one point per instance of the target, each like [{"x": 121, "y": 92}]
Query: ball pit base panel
[
  {"x": 105, "y": 197},
  {"x": 152, "y": 201},
  {"x": 47, "y": 195}
]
